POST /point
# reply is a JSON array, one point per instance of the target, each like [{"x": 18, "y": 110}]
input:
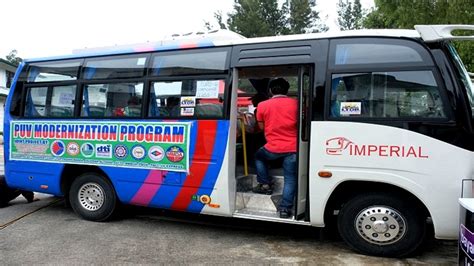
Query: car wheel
[
  {"x": 381, "y": 225},
  {"x": 92, "y": 197}
]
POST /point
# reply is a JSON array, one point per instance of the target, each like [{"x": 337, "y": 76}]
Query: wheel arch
[
  {"x": 72, "y": 171},
  {"x": 349, "y": 189}
]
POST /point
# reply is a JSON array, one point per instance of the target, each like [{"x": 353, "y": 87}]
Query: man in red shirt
[{"x": 278, "y": 117}]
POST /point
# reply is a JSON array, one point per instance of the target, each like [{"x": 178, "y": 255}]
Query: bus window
[
  {"x": 189, "y": 64},
  {"x": 112, "y": 100},
  {"x": 401, "y": 94},
  {"x": 119, "y": 67},
  {"x": 55, "y": 101},
  {"x": 53, "y": 71},
  {"x": 187, "y": 98}
]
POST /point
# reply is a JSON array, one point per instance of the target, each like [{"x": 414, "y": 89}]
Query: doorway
[{"x": 252, "y": 89}]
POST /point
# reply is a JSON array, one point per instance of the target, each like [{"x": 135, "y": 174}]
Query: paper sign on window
[
  {"x": 168, "y": 88},
  {"x": 66, "y": 98},
  {"x": 207, "y": 89}
]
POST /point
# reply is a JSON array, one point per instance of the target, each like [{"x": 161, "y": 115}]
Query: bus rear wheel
[
  {"x": 381, "y": 225},
  {"x": 92, "y": 197}
]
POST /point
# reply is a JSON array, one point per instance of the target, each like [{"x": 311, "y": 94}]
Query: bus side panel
[
  {"x": 428, "y": 168},
  {"x": 34, "y": 176},
  {"x": 175, "y": 190}
]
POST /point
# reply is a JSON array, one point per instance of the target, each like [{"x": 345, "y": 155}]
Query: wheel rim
[
  {"x": 380, "y": 225},
  {"x": 91, "y": 196}
]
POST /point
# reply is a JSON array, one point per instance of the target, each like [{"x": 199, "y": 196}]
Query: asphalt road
[{"x": 47, "y": 232}]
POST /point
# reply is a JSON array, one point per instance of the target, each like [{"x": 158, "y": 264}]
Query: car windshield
[{"x": 464, "y": 77}]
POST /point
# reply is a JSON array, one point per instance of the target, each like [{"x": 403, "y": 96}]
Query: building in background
[{"x": 7, "y": 71}]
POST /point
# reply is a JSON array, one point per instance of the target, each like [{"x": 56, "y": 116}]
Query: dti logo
[
  {"x": 335, "y": 146},
  {"x": 103, "y": 150}
]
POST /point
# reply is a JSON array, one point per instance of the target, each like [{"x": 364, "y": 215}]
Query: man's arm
[{"x": 261, "y": 125}]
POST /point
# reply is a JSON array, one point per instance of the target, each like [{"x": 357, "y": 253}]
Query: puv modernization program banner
[{"x": 150, "y": 145}]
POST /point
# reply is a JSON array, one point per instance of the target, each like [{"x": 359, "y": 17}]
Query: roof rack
[{"x": 433, "y": 33}]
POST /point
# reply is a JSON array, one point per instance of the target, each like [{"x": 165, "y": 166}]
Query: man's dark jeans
[{"x": 262, "y": 156}]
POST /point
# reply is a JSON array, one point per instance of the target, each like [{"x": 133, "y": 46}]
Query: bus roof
[{"x": 221, "y": 38}]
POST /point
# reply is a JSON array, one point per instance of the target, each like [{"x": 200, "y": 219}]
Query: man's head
[{"x": 279, "y": 86}]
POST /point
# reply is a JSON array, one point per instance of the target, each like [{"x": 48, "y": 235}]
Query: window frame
[
  {"x": 110, "y": 81},
  {"x": 225, "y": 77},
  {"x": 49, "y": 86},
  {"x": 31, "y": 65},
  {"x": 228, "y": 50},
  {"x": 146, "y": 79},
  {"x": 439, "y": 82},
  {"x": 428, "y": 64},
  {"x": 148, "y": 57},
  {"x": 426, "y": 57}
]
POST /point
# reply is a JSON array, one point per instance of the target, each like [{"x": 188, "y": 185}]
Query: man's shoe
[
  {"x": 285, "y": 214},
  {"x": 265, "y": 189}
]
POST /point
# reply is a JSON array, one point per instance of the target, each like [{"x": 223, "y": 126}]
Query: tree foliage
[
  {"x": 405, "y": 14},
  {"x": 303, "y": 18},
  {"x": 350, "y": 15},
  {"x": 13, "y": 58},
  {"x": 256, "y": 18}
]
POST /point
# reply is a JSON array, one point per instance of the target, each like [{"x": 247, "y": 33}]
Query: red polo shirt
[{"x": 279, "y": 115}]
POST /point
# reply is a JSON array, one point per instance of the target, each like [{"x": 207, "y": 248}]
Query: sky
[{"x": 42, "y": 28}]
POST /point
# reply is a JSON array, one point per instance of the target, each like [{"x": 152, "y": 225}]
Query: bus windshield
[{"x": 464, "y": 77}]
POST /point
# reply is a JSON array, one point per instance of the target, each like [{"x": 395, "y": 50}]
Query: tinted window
[
  {"x": 112, "y": 100},
  {"x": 55, "y": 101},
  {"x": 109, "y": 68},
  {"x": 372, "y": 53},
  {"x": 53, "y": 71},
  {"x": 189, "y": 63},
  {"x": 386, "y": 94},
  {"x": 187, "y": 98}
]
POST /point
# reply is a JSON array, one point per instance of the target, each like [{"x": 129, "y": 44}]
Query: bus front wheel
[
  {"x": 381, "y": 225},
  {"x": 92, "y": 197}
]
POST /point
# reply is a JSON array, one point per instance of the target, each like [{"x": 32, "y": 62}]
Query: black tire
[
  {"x": 381, "y": 225},
  {"x": 92, "y": 197}
]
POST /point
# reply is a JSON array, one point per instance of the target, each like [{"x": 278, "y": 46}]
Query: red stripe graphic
[
  {"x": 149, "y": 188},
  {"x": 206, "y": 134}
]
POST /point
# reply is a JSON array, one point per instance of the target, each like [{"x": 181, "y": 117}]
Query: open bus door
[{"x": 304, "y": 85}]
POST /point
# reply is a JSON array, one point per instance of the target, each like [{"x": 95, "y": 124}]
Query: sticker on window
[
  {"x": 350, "y": 108},
  {"x": 207, "y": 89},
  {"x": 188, "y": 102},
  {"x": 141, "y": 61},
  {"x": 188, "y": 111}
]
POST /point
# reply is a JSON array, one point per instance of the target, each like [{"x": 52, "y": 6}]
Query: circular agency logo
[
  {"x": 174, "y": 154},
  {"x": 58, "y": 148},
  {"x": 120, "y": 152},
  {"x": 156, "y": 153},
  {"x": 72, "y": 148},
  {"x": 87, "y": 150},
  {"x": 138, "y": 152}
]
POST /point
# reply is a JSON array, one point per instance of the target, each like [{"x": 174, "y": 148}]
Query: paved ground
[{"x": 47, "y": 232}]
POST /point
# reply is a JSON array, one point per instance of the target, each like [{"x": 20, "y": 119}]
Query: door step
[
  {"x": 260, "y": 215},
  {"x": 257, "y": 202}
]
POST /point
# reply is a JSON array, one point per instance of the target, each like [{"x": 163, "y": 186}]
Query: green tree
[
  {"x": 303, "y": 18},
  {"x": 255, "y": 18},
  {"x": 405, "y": 14},
  {"x": 13, "y": 58},
  {"x": 350, "y": 15}
]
